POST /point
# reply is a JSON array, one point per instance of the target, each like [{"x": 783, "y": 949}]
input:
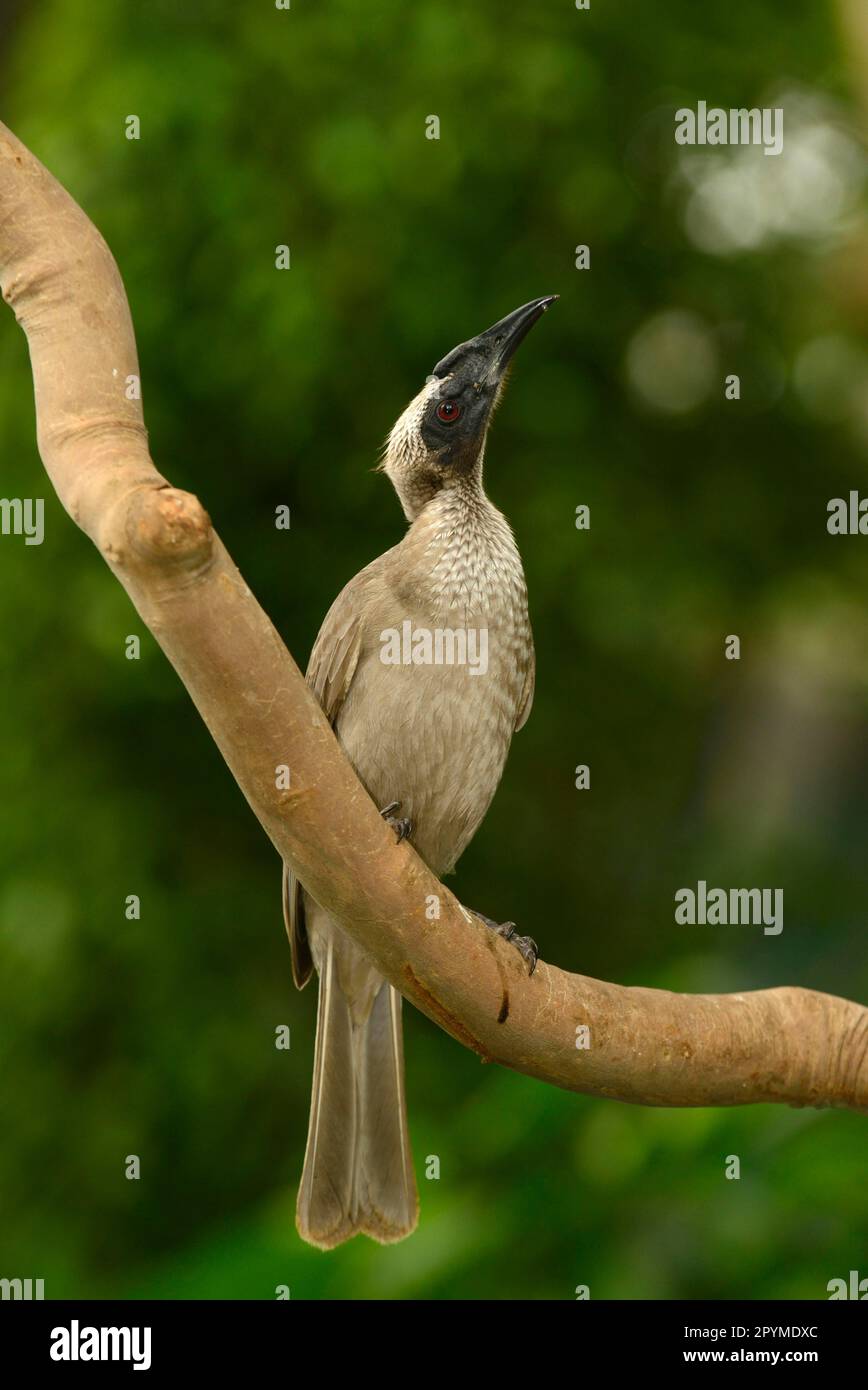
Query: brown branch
[{"x": 646, "y": 1045}]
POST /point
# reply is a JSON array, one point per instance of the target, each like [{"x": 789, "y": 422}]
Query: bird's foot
[
  {"x": 402, "y": 827},
  {"x": 525, "y": 945}
]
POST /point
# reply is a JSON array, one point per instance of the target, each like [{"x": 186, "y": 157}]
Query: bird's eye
[{"x": 448, "y": 412}]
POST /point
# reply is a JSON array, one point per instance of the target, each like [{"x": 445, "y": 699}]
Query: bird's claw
[
  {"x": 402, "y": 826},
  {"x": 525, "y": 945}
]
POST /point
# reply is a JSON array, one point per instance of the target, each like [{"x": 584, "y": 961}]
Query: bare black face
[{"x": 457, "y": 414}]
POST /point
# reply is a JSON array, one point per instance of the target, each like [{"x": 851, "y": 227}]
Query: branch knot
[{"x": 170, "y": 528}]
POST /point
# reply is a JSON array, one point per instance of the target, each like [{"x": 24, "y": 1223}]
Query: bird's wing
[
  {"x": 293, "y": 918},
  {"x": 335, "y": 655},
  {"x": 330, "y": 672},
  {"x": 524, "y": 704}
]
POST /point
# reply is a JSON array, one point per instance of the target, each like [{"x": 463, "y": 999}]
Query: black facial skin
[
  {"x": 456, "y": 416},
  {"x": 456, "y": 442}
]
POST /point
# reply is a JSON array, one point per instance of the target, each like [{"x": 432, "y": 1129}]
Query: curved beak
[{"x": 495, "y": 347}]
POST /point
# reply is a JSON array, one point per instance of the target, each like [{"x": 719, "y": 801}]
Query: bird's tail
[{"x": 358, "y": 1170}]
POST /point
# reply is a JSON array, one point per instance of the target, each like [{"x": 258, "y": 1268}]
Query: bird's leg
[
  {"x": 402, "y": 827},
  {"x": 525, "y": 945}
]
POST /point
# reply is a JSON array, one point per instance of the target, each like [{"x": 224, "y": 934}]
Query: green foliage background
[{"x": 156, "y": 1037}]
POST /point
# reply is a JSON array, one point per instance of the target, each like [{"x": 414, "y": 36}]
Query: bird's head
[{"x": 440, "y": 438}]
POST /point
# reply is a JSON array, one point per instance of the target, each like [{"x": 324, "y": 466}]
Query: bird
[{"x": 428, "y": 739}]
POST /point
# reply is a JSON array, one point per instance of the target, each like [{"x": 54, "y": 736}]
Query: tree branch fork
[{"x": 647, "y": 1046}]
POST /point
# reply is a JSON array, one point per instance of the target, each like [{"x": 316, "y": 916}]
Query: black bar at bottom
[{"x": 161, "y": 1338}]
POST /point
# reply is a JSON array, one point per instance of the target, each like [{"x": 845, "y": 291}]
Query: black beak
[{"x": 492, "y": 350}]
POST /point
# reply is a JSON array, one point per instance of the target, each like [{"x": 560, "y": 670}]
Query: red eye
[{"x": 448, "y": 412}]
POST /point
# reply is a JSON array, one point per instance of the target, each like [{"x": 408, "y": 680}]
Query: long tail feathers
[{"x": 358, "y": 1170}]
